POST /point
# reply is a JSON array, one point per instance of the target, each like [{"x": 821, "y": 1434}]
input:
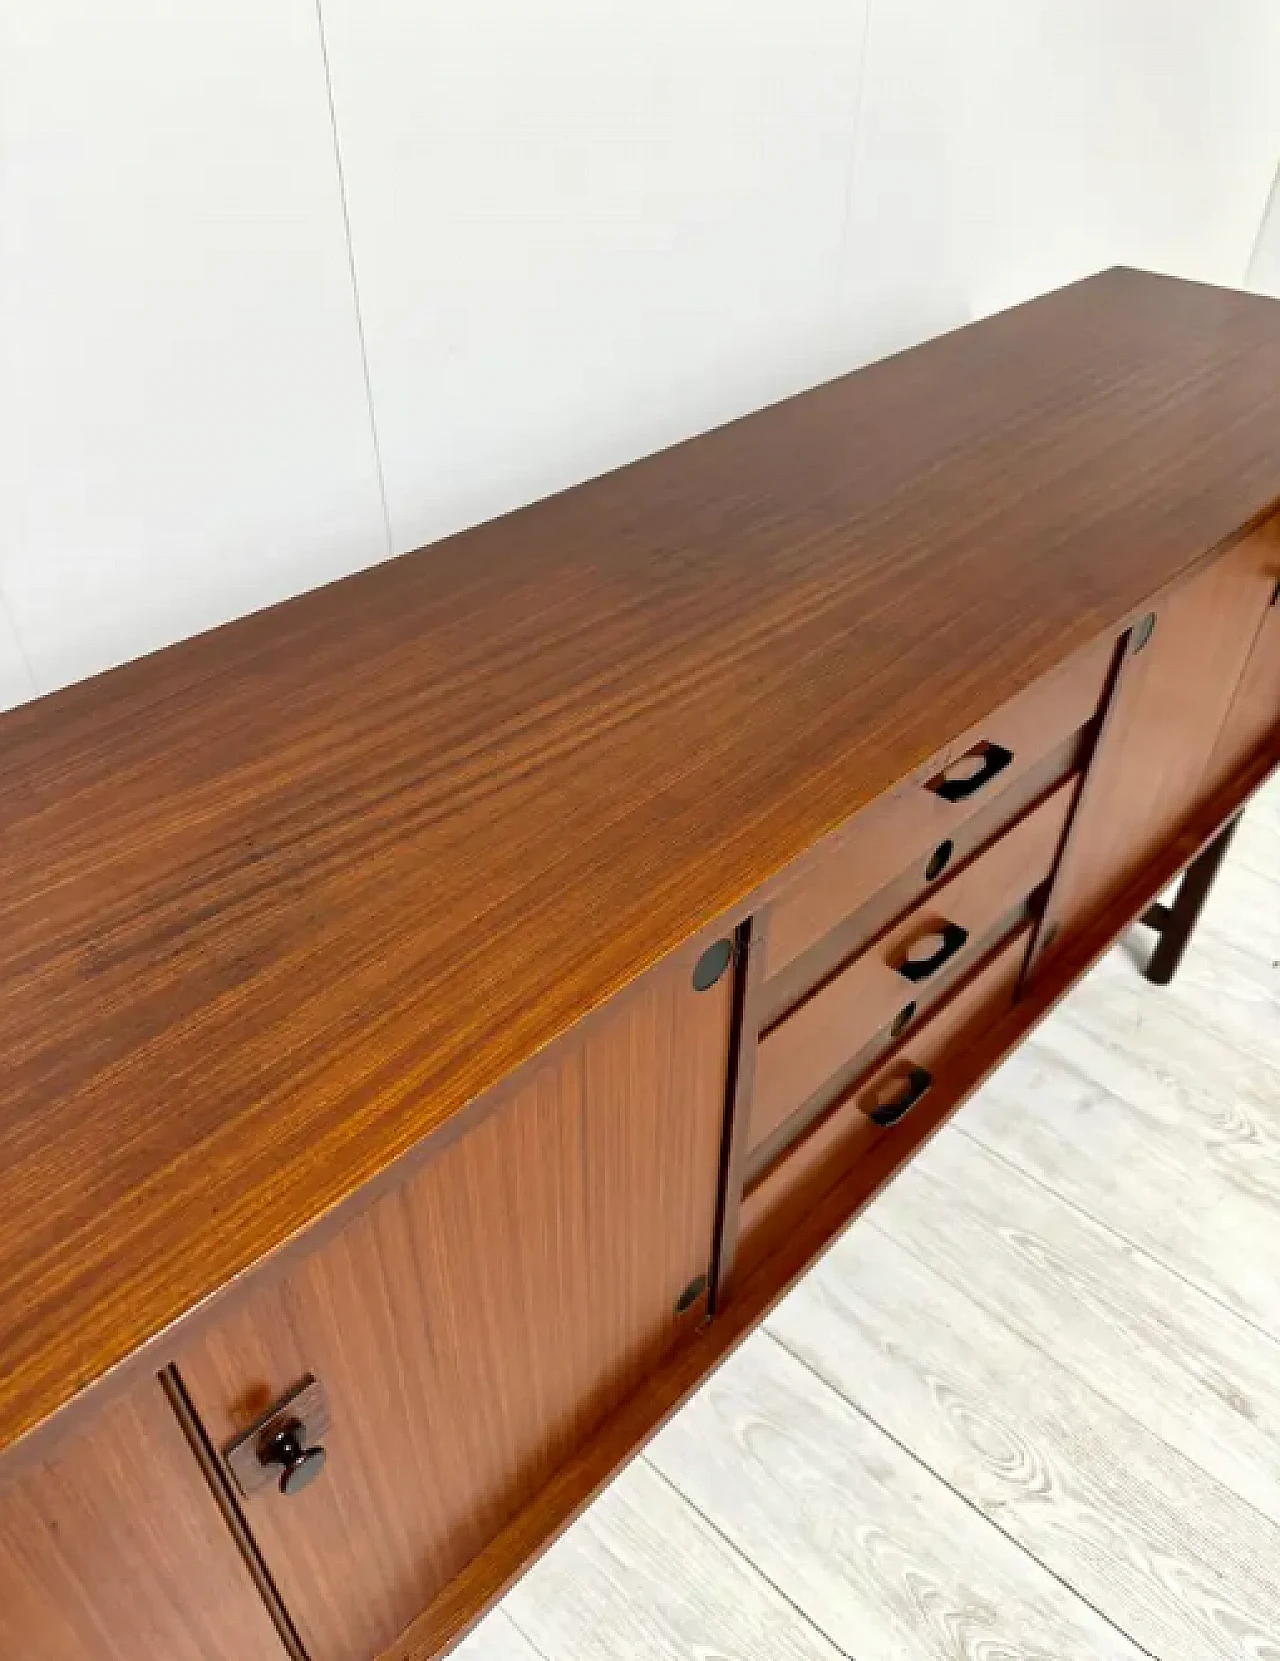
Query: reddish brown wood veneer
[{"x": 277, "y": 904}]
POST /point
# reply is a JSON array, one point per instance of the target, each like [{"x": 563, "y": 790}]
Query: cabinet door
[
  {"x": 112, "y": 1549},
  {"x": 475, "y": 1324},
  {"x": 1152, "y": 765}
]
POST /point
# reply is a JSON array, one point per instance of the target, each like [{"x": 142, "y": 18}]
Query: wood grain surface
[
  {"x": 860, "y": 862},
  {"x": 1122, "y": 1321},
  {"x": 1148, "y": 772},
  {"x": 1087, "y": 1079},
  {"x": 113, "y": 1549},
  {"x": 751, "y": 1298},
  {"x": 1170, "y": 1556},
  {"x": 498, "y": 1639},
  {"x": 841, "y": 1132},
  {"x": 856, "y": 1532},
  {"x": 1254, "y": 714},
  {"x": 1245, "y": 913},
  {"x": 642, "y": 1574},
  {"x": 812, "y": 1044},
  {"x": 1187, "y": 1369},
  {"x": 853, "y": 932},
  {"x": 275, "y": 904},
  {"x": 475, "y": 1327}
]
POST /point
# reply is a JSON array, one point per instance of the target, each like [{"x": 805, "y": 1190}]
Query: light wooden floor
[{"x": 1029, "y": 1407}]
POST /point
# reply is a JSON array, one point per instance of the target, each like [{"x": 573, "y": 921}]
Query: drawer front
[
  {"x": 796, "y": 981},
  {"x": 930, "y": 1067},
  {"x": 891, "y": 834},
  {"x": 897, "y": 978}
]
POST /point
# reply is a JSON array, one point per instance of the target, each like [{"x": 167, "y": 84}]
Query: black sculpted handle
[
  {"x": 914, "y": 1086},
  {"x": 975, "y": 771},
  {"x": 916, "y": 966}
]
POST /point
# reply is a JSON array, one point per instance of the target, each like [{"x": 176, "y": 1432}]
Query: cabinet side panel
[
  {"x": 472, "y": 1328},
  {"x": 1253, "y": 720},
  {"x": 113, "y": 1549},
  {"x": 1150, "y": 769}
]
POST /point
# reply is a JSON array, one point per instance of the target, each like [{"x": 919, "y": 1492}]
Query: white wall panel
[
  {"x": 16, "y": 682},
  {"x": 1142, "y": 134},
  {"x": 184, "y": 432},
  {"x": 1264, "y": 268},
  {"x": 582, "y": 231},
  {"x": 908, "y": 258},
  {"x": 585, "y": 230},
  {"x": 1009, "y": 146}
]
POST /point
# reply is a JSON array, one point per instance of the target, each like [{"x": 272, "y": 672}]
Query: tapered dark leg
[{"x": 1175, "y": 924}]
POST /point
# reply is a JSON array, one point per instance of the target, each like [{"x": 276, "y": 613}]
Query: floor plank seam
[
  {"x": 1131, "y": 1245},
  {"x": 1184, "y": 1013},
  {"x": 1253, "y": 968},
  {"x": 977, "y": 1510},
  {"x": 1070, "y": 1017},
  {"x": 1023, "y": 1336},
  {"x": 752, "y": 1566},
  {"x": 1221, "y": 934},
  {"x": 1252, "y": 863},
  {"x": 535, "y": 1647}
]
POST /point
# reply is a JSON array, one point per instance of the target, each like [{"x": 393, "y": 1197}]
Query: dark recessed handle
[
  {"x": 977, "y": 771},
  {"x": 916, "y": 1084},
  {"x": 950, "y": 937},
  {"x": 299, "y": 1464}
]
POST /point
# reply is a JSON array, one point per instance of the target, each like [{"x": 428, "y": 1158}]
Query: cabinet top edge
[{"x": 278, "y": 902}]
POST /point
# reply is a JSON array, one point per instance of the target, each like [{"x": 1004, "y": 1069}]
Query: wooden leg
[{"x": 1175, "y": 924}]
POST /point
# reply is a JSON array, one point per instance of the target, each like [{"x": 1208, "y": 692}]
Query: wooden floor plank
[
  {"x": 884, "y": 1557},
  {"x": 497, "y": 1638},
  {"x": 1167, "y": 1554},
  {"x": 1188, "y": 1370},
  {"x": 1224, "y": 986},
  {"x": 1257, "y": 844},
  {"x": 1217, "y": 1099},
  {"x": 1155, "y": 1126},
  {"x": 1244, "y": 906},
  {"x": 641, "y": 1577},
  {"x": 1244, "y": 910}
]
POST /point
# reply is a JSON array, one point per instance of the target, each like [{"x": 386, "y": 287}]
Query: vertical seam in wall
[
  {"x": 20, "y": 644},
  {"x": 842, "y": 255},
  {"x": 1270, "y": 210},
  {"x": 355, "y": 282}
]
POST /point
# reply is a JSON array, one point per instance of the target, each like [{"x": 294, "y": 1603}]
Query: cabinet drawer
[
  {"x": 784, "y": 991},
  {"x": 931, "y": 1066},
  {"x": 897, "y": 978},
  {"x": 891, "y": 834}
]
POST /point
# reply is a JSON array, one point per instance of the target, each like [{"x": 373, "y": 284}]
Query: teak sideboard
[{"x": 443, "y": 1013}]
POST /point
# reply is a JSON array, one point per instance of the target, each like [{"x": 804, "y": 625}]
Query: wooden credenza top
[{"x": 278, "y": 902}]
